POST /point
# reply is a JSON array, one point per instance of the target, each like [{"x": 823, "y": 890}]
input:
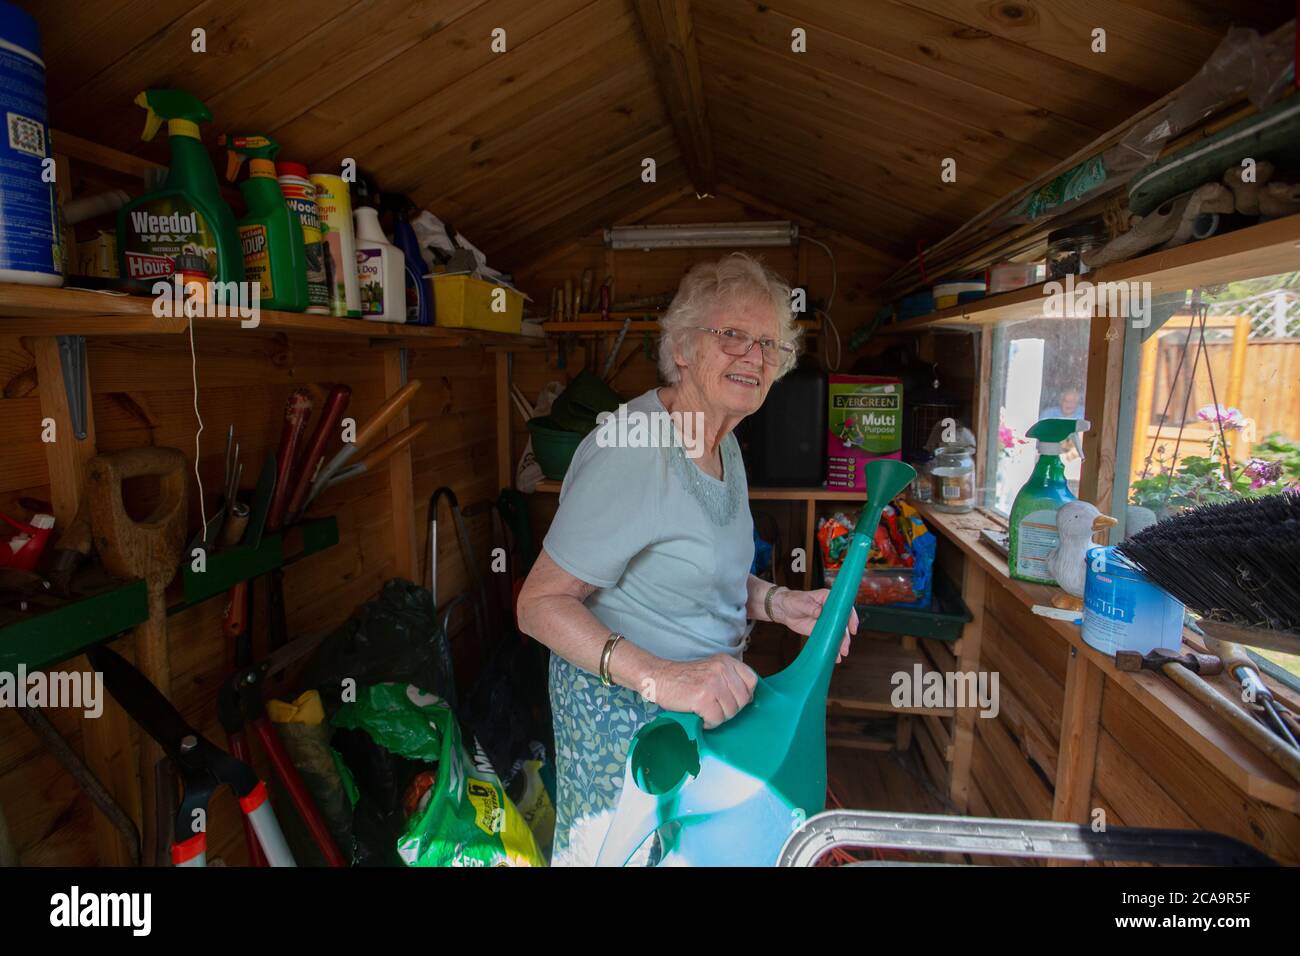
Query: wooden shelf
[
  {"x": 590, "y": 322},
  {"x": 1201, "y": 731},
  {"x": 34, "y": 310},
  {"x": 547, "y": 486},
  {"x": 1267, "y": 248},
  {"x": 863, "y": 683}
]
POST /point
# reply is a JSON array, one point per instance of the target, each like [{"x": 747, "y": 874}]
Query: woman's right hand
[{"x": 715, "y": 688}]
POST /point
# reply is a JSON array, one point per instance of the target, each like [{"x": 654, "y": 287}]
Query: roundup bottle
[
  {"x": 270, "y": 233},
  {"x": 300, "y": 195},
  {"x": 29, "y": 223},
  {"x": 187, "y": 215},
  {"x": 1033, "y": 515}
]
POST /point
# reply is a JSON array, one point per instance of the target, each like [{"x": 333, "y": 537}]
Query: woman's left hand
[{"x": 799, "y": 610}]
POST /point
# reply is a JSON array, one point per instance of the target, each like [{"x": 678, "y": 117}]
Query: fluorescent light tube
[{"x": 702, "y": 235}]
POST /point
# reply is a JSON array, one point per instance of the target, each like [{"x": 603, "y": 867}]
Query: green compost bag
[{"x": 465, "y": 818}]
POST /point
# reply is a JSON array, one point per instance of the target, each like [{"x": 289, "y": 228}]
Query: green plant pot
[{"x": 553, "y": 447}]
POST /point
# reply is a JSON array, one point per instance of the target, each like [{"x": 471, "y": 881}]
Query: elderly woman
[{"x": 643, "y": 591}]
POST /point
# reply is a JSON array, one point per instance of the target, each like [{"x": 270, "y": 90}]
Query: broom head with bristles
[{"x": 1238, "y": 563}]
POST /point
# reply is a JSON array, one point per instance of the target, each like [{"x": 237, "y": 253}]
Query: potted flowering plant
[{"x": 1211, "y": 479}]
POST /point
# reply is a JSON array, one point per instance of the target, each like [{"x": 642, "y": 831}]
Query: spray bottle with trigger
[
  {"x": 187, "y": 214},
  {"x": 270, "y": 232},
  {"x": 1032, "y": 531}
]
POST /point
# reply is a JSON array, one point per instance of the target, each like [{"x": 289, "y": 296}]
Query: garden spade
[{"x": 731, "y": 796}]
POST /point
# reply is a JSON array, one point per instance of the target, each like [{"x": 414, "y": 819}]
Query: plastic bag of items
[
  {"x": 455, "y": 812},
  {"x": 900, "y": 566}
]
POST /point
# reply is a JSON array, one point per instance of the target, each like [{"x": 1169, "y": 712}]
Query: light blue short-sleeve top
[{"x": 667, "y": 546}]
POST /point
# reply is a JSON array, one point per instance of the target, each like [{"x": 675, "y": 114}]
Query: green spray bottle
[
  {"x": 270, "y": 232},
  {"x": 1033, "y": 515},
  {"x": 187, "y": 214}
]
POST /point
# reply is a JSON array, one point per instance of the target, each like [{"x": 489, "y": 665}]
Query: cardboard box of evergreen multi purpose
[
  {"x": 865, "y": 422},
  {"x": 462, "y": 302}
]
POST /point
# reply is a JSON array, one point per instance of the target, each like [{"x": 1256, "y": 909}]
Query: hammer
[{"x": 1185, "y": 670}]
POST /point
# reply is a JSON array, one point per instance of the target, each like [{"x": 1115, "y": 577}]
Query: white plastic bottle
[{"x": 381, "y": 271}]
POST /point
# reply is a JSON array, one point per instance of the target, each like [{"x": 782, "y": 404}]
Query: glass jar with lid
[{"x": 952, "y": 472}]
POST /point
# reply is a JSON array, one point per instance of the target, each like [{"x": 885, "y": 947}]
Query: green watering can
[{"x": 731, "y": 796}]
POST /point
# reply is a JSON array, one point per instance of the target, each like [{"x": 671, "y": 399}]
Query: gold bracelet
[
  {"x": 767, "y": 602},
  {"x": 610, "y": 644}
]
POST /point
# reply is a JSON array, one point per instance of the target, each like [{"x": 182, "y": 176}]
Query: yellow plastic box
[{"x": 463, "y": 302}]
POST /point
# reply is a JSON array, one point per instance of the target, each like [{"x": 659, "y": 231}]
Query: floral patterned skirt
[{"x": 594, "y": 725}]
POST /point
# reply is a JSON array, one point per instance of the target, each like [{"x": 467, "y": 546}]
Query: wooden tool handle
[
  {"x": 391, "y": 446},
  {"x": 149, "y": 548},
  {"x": 376, "y": 425},
  {"x": 232, "y": 531},
  {"x": 296, "y": 412},
  {"x": 1282, "y": 755},
  {"x": 1233, "y": 655}
]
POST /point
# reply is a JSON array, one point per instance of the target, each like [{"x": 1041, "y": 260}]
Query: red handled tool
[
  {"x": 313, "y": 457},
  {"x": 203, "y": 767},
  {"x": 296, "y": 413},
  {"x": 369, "y": 432},
  {"x": 240, "y": 706}
]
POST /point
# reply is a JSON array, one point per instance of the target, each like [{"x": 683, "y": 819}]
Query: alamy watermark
[
  {"x": 83, "y": 690},
  {"x": 634, "y": 429},
  {"x": 1082, "y": 299},
  {"x": 919, "y": 688},
  {"x": 177, "y": 298}
]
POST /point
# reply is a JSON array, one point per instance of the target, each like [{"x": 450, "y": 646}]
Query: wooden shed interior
[{"x": 901, "y": 139}]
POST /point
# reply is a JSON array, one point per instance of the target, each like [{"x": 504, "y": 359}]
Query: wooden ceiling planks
[
  {"x": 669, "y": 31},
  {"x": 521, "y": 148},
  {"x": 861, "y": 69},
  {"x": 1143, "y": 47}
]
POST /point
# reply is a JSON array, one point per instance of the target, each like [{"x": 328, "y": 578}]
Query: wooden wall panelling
[
  {"x": 969, "y": 659},
  {"x": 1080, "y": 725},
  {"x": 1157, "y": 758},
  {"x": 1042, "y": 647},
  {"x": 1038, "y": 692},
  {"x": 400, "y": 491},
  {"x": 1034, "y": 794},
  {"x": 1037, "y": 744},
  {"x": 106, "y": 739}
]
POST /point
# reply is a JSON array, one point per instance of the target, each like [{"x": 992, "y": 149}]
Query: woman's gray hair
[{"x": 734, "y": 279}]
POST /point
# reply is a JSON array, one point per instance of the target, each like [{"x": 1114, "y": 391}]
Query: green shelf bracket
[
  {"x": 227, "y": 568},
  {"x": 56, "y": 635}
]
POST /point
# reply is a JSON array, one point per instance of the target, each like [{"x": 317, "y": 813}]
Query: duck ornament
[{"x": 1076, "y": 523}]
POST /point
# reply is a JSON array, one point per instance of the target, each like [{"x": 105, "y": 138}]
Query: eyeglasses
[{"x": 737, "y": 343}]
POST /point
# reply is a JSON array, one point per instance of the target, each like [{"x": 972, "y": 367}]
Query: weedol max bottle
[
  {"x": 187, "y": 215},
  {"x": 270, "y": 233},
  {"x": 1032, "y": 535}
]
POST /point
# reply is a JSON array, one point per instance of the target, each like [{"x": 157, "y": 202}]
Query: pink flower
[
  {"x": 1227, "y": 417},
  {"x": 1263, "y": 472},
  {"x": 1006, "y": 436}
]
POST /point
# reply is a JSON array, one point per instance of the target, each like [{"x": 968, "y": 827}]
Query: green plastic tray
[{"x": 942, "y": 623}]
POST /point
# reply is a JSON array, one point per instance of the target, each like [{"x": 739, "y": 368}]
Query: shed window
[{"x": 1040, "y": 367}]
